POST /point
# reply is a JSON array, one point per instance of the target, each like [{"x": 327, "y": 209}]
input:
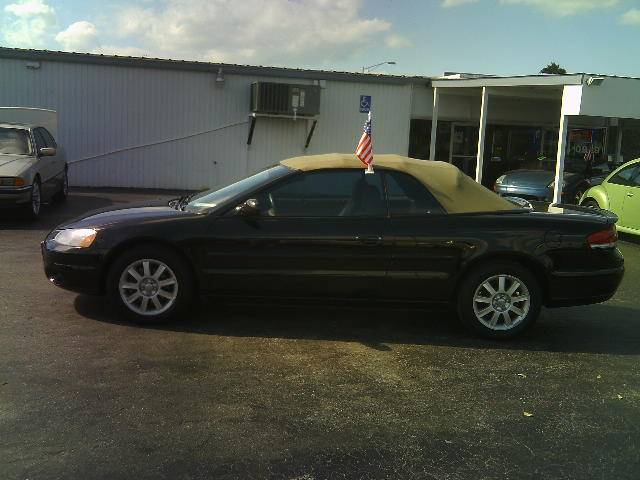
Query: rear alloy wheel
[
  {"x": 500, "y": 300},
  {"x": 150, "y": 285},
  {"x": 63, "y": 193}
]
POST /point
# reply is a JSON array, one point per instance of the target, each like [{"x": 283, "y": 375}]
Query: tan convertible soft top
[{"x": 455, "y": 191}]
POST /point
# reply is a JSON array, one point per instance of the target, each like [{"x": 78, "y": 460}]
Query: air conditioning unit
[{"x": 268, "y": 98}]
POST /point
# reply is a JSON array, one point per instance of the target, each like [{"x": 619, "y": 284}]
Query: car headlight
[
  {"x": 12, "y": 182},
  {"x": 76, "y": 237},
  {"x": 500, "y": 179}
]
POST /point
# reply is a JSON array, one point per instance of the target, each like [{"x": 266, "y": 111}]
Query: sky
[{"x": 423, "y": 37}]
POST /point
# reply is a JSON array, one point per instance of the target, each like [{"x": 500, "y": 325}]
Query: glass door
[{"x": 464, "y": 147}]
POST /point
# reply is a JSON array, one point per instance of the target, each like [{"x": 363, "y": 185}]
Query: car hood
[
  {"x": 533, "y": 178},
  {"x": 125, "y": 216},
  {"x": 14, "y": 165}
]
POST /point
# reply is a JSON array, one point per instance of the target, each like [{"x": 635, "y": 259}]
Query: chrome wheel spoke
[
  {"x": 134, "y": 297},
  {"x": 521, "y": 298},
  {"x": 482, "y": 300},
  {"x": 517, "y": 311},
  {"x": 506, "y": 318},
  {"x": 501, "y": 280},
  {"x": 134, "y": 274},
  {"x": 146, "y": 270},
  {"x": 145, "y": 303},
  {"x": 165, "y": 294},
  {"x": 514, "y": 286},
  {"x": 156, "y": 302},
  {"x": 494, "y": 319},
  {"x": 489, "y": 288},
  {"x": 166, "y": 283},
  {"x": 161, "y": 268},
  {"x": 130, "y": 286}
]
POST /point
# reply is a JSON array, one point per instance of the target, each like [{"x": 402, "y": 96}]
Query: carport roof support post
[
  {"x": 562, "y": 147},
  {"x": 434, "y": 123},
  {"x": 482, "y": 133}
]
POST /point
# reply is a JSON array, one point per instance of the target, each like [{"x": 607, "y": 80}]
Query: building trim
[{"x": 227, "y": 68}]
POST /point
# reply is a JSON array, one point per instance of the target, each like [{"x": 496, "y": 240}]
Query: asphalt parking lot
[{"x": 305, "y": 392}]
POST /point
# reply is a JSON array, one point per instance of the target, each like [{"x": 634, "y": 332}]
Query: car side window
[
  {"x": 48, "y": 138},
  {"x": 408, "y": 196},
  {"x": 326, "y": 193},
  {"x": 635, "y": 181},
  {"x": 624, "y": 176},
  {"x": 39, "y": 138}
]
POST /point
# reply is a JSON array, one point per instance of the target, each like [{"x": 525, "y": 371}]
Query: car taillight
[{"x": 604, "y": 238}]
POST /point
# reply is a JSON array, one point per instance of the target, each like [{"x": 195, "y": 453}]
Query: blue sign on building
[{"x": 365, "y": 103}]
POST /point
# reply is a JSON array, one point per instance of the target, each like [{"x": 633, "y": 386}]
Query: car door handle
[
  {"x": 629, "y": 194},
  {"x": 370, "y": 240}
]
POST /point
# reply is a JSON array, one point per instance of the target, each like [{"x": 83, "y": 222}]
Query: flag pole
[{"x": 369, "y": 169}]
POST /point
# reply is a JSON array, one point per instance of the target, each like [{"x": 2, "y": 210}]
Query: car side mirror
[
  {"x": 47, "y": 151},
  {"x": 249, "y": 208}
]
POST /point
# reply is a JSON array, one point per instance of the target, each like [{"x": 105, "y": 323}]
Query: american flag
[{"x": 364, "y": 150}]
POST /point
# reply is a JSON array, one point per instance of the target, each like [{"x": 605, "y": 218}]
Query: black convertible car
[{"x": 318, "y": 226}]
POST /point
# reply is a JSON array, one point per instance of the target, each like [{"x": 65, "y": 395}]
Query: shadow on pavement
[
  {"x": 600, "y": 329},
  {"x": 54, "y": 213}
]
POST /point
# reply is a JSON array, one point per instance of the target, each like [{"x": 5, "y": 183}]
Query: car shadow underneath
[{"x": 599, "y": 329}]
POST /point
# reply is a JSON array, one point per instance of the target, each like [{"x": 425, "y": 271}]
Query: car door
[
  {"x": 630, "y": 217},
  {"x": 46, "y": 166},
  {"x": 318, "y": 233},
  {"x": 425, "y": 257},
  {"x": 58, "y": 160},
  {"x": 618, "y": 186}
]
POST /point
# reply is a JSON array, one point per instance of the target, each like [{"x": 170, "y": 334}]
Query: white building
[{"x": 137, "y": 122}]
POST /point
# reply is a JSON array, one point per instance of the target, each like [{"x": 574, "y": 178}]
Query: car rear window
[{"x": 408, "y": 196}]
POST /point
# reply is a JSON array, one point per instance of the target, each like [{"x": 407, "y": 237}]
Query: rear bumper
[
  {"x": 80, "y": 272},
  {"x": 568, "y": 289}
]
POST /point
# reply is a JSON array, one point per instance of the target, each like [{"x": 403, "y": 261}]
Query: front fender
[{"x": 599, "y": 194}]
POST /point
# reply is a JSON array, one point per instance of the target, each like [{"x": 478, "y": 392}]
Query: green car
[{"x": 620, "y": 194}]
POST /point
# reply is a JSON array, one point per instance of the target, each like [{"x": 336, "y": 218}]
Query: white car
[{"x": 33, "y": 168}]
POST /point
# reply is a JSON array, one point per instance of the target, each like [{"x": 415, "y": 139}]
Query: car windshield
[
  {"x": 14, "y": 141},
  {"x": 212, "y": 198}
]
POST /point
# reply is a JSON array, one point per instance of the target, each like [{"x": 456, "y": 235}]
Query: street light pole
[{"x": 369, "y": 68}]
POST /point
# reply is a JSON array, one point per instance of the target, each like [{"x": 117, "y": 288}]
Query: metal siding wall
[{"x": 104, "y": 109}]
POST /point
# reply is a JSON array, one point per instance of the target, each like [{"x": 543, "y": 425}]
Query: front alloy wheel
[
  {"x": 499, "y": 299},
  {"x": 148, "y": 287},
  {"x": 151, "y": 284}
]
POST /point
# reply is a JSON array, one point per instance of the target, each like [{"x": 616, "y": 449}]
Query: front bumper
[
  {"x": 567, "y": 289},
  {"x": 78, "y": 270},
  {"x": 11, "y": 196}
]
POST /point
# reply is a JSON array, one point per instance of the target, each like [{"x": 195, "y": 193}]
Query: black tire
[
  {"x": 472, "y": 288},
  {"x": 30, "y": 210},
  {"x": 175, "y": 269},
  {"x": 590, "y": 203},
  {"x": 63, "y": 193}
]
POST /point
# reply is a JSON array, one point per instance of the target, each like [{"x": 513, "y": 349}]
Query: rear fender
[{"x": 538, "y": 266}]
